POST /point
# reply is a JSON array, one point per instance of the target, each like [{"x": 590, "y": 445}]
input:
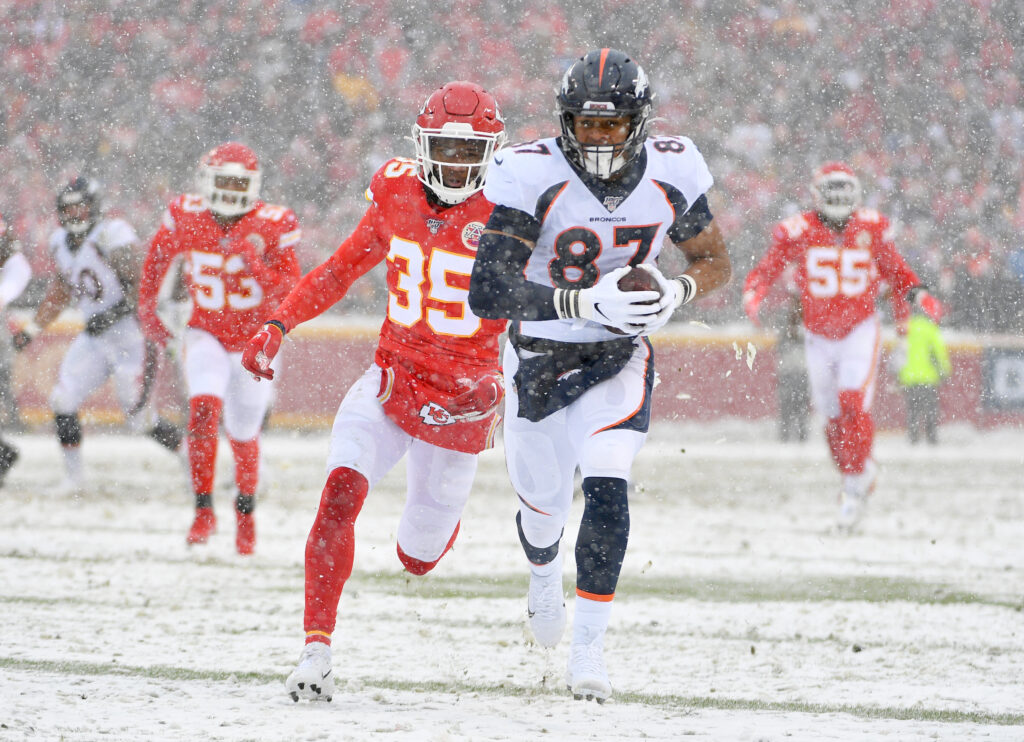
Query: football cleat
[
  {"x": 586, "y": 677},
  {"x": 202, "y": 527},
  {"x": 545, "y": 606},
  {"x": 854, "y": 496},
  {"x": 69, "y": 487},
  {"x": 245, "y": 536},
  {"x": 313, "y": 678}
]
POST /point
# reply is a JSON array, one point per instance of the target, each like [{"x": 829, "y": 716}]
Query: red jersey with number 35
[
  {"x": 235, "y": 276},
  {"x": 838, "y": 273},
  {"x": 430, "y": 344}
]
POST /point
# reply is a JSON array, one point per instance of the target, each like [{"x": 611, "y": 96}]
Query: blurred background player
[
  {"x": 842, "y": 253},
  {"x": 15, "y": 273},
  {"x": 925, "y": 367},
  {"x": 239, "y": 259},
  {"x": 571, "y": 215},
  {"x": 97, "y": 269},
  {"x": 434, "y": 387}
]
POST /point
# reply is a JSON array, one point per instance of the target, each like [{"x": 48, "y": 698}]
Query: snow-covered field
[{"x": 739, "y": 616}]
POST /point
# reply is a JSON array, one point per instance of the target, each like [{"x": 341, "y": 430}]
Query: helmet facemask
[
  {"x": 453, "y": 160},
  {"x": 604, "y": 160},
  {"x": 837, "y": 194},
  {"x": 229, "y": 189}
]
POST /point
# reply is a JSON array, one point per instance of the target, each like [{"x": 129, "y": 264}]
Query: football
[{"x": 637, "y": 279}]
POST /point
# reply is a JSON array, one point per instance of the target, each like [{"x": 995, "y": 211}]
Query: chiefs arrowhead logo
[{"x": 434, "y": 414}]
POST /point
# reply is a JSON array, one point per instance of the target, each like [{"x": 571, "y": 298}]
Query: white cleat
[
  {"x": 313, "y": 679},
  {"x": 69, "y": 487},
  {"x": 586, "y": 676},
  {"x": 853, "y": 499},
  {"x": 851, "y": 511},
  {"x": 545, "y": 606}
]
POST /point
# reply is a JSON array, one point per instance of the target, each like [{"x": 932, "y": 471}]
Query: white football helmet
[
  {"x": 229, "y": 179},
  {"x": 456, "y": 135},
  {"x": 836, "y": 191}
]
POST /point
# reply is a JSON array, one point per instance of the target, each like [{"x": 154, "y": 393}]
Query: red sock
[
  {"x": 851, "y": 435},
  {"x": 203, "y": 423},
  {"x": 330, "y": 549},
  {"x": 247, "y": 464},
  {"x": 419, "y": 567}
]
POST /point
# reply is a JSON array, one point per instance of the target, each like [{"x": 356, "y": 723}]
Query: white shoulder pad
[
  {"x": 676, "y": 160},
  {"x": 521, "y": 173},
  {"x": 113, "y": 234}
]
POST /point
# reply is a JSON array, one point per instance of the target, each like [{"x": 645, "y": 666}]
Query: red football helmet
[
  {"x": 836, "y": 191},
  {"x": 456, "y": 134},
  {"x": 229, "y": 179}
]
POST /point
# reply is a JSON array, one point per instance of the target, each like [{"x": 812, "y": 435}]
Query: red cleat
[
  {"x": 204, "y": 525},
  {"x": 245, "y": 536}
]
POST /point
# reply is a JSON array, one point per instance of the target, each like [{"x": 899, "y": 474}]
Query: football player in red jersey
[
  {"x": 240, "y": 261},
  {"x": 842, "y": 253},
  {"x": 433, "y": 390}
]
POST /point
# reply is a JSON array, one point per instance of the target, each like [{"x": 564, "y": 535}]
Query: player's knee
[
  {"x": 610, "y": 455},
  {"x": 69, "y": 429},
  {"x": 344, "y": 494},
  {"x": 204, "y": 415},
  {"x": 420, "y": 566}
]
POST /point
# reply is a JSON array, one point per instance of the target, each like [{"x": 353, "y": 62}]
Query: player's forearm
[
  {"x": 315, "y": 293},
  {"x": 498, "y": 288}
]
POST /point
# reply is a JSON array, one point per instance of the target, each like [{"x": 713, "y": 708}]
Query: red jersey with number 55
[
  {"x": 838, "y": 273},
  {"x": 235, "y": 276}
]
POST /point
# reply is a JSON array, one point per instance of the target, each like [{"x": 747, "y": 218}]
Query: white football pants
[
  {"x": 542, "y": 457},
  {"x": 849, "y": 363},
  {"x": 210, "y": 370},
  {"x": 438, "y": 480}
]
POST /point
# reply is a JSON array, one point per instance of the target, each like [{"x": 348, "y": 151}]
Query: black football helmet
[
  {"x": 605, "y": 83},
  {"x": 78, "y": 205}
]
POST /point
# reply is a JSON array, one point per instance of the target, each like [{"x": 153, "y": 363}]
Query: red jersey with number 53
[
  {"x": 838, "y": 273},
  {"x": 235, "y": 276}
]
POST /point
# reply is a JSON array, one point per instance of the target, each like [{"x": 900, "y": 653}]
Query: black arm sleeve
[{"x": 498, "y": 288}]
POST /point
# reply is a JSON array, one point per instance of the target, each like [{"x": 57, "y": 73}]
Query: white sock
[
  {"x": 73, "y": 462},
  {"x": 590, "y": 619}
]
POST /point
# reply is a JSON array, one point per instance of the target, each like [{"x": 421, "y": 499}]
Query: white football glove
[
  {"x": 607, "y": 304},
  {"x": 674, "y": 293}
]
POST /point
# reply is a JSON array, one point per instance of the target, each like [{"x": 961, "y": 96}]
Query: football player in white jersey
[
  {"x": 572, "y": 214},
  {"x": 15, "y": 273},
  {"x": 97, "y": 268}
]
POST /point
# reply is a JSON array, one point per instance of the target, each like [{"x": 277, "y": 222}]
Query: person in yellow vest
[{"x": 926, "y": 367}]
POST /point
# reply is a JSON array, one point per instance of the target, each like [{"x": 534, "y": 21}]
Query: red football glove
[
  {"x": 929, "y": 305},
  {"x": 479, "y": 400},
  {"x": 752, "y": 298},
  {"x": 260, "y": 351}
]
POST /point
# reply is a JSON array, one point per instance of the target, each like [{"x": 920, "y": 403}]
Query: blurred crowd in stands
[{"x": 924, "y": 98}]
